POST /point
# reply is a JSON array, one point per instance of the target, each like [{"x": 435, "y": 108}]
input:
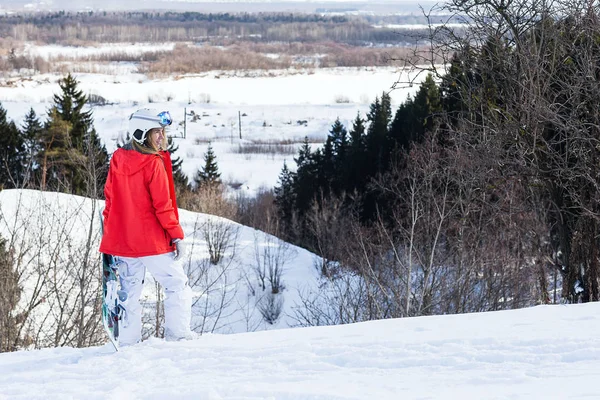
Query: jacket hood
[{"x": 127, "y": 161}]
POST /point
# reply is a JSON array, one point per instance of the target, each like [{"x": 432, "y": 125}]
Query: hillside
[
  {"x": 545, "y": 352},
  {"x": 56, "y": 237}
]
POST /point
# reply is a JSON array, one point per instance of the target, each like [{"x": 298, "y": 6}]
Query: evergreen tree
[
  {"x": 70, "y": 105},
  {"x": 306, "y": 177},
  {"x": 339, "y": 140},
  {"x": 180, "y": 179},
  {"x": 355, "y": 172},
  {"x": 325, "y": 167},
  {"x": 416, "y": 116},
  {"x": 357, "y": 136},
  {"x": 12, "y": 153},
  {"x": 285, "y": 200},
  {"x": 403, "y": 130},
  {"x": 32, "y": 130},
  {"x": 379, "y": 116},
  {"x": 55, "y": 157},
  {"x": 454, "y": 87},
  {"x": 89, "y": 158},
  {"x": 303, "y": 153},
  {"x": 209, "y": 174},
  {"x": 428, "y": 104}
]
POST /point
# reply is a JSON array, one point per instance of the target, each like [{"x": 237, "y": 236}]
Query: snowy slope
[
  {"x": 546, "y": 352},
  {"x": 50, "y": 231}
]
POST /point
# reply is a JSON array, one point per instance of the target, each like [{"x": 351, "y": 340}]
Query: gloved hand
[{"x": 179, "y": 249}]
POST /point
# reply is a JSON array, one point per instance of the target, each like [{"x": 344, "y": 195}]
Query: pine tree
[
  {"x": 285, "y": 200},
  {"x": 303, "y": 153},
  {"x": 428, "y": 104},
  {"x": 404, "y": 128},
  {"x": 209, "y": 174},
  {"x": 339, "y": 140},
  {"x": 306, "y": 176},
  {"x": 416, "y": 116},
  {"x": 180, "y": 179},
  {"x": 70, "y": 105},
  {"x": 55, "y": 156},
  {"x": 89, "y": 158},
  {"x": 325, "y": 167},
  {"x": 357, "y": 136},
  {"x": 379, "y": 116},
  {"x": 354, "y": 171},
  {"x": 32, "y": 130},
  {"x": 12, "y": 153},
  {"x": 453, "y": 87}
]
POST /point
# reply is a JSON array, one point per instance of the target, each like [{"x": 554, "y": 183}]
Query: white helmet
[{"x": 141, "y": 121}]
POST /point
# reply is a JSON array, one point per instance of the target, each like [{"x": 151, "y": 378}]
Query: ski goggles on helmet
[{"x": 164, "y": 118}]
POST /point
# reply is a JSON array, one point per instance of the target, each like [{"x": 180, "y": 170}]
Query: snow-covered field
[
  {"x": 272, "y": 106},
  {"x": 541, "y": 353},
  {"x": 49, "y": 52}
]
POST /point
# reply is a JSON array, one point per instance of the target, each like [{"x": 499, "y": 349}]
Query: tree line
[
  {"x": 170, "y": 26},
  {"x": 480, "y": 192}
]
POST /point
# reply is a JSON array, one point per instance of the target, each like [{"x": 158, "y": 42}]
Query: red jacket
[{"x": 140, "y": 215}]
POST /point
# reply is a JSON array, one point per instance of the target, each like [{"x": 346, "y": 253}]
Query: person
[{"x": 142, "y": 229}]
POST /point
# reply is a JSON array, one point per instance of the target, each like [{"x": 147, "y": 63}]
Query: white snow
[
  {"x": 54, "y": 226},
  {"x": 421, "y": 26},
  {"x": 50, "y": 51},
  {"x": 273, "y": 101},
  {"x": 545, "y": 352}
]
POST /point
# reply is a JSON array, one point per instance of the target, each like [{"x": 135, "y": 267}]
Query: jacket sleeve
[
  {"x": 161, "y": 200},
  {"x": 107, "y": 196}
]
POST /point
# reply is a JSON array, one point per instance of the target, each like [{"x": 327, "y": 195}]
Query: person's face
[{"x": 157, "y": 136}]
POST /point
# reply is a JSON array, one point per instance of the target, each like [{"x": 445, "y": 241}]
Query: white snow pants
[{"x": 178, "y": 296}]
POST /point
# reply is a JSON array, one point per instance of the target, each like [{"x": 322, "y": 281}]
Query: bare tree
[
  {"x": 10, "y": 294},
  {"x": 56, "y": 307},
  {"x": 270, "y": 306}
]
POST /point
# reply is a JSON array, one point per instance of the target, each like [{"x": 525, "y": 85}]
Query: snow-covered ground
[
  {"x": 52, "y": 229},
  {"x": 272, "y": 106},
  {"x": 545, "y": 352},
  {"x": 49, "y": 52}
]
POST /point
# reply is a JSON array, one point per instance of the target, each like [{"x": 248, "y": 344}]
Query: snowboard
[{"x": 112, "y": 297}]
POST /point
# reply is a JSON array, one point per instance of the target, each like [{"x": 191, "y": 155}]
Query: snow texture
[{"x": 545, "y": 352}]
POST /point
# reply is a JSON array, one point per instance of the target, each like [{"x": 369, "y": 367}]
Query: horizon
[{"x": 216, "y": 6}]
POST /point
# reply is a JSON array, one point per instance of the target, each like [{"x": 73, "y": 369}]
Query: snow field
[
  {"x": 545, "y": 352},
  {"x": 282, "y": 108}
]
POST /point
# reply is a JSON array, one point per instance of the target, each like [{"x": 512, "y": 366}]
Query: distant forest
[{"x": 61, "y": 27}]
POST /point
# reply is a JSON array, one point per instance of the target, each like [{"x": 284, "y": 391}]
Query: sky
[
  {"x": 309, "y": 6},
  {"x": 540, "y": 353}
]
